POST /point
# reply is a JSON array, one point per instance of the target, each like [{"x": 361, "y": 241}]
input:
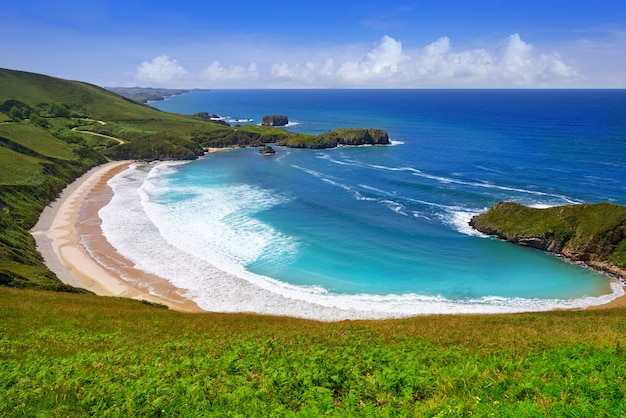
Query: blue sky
[{"x": 321, "y": 44}]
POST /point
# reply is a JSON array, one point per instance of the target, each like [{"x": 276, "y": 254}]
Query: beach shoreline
[{"x": 71, "y": 241}]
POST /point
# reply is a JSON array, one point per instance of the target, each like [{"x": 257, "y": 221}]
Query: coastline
[{"x": 69, "y": 238}]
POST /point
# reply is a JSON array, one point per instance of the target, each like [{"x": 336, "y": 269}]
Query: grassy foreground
[{"x": 80, "y": 355}]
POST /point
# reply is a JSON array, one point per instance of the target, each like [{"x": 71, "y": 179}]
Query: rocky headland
[{"x": 593, "y": 234}]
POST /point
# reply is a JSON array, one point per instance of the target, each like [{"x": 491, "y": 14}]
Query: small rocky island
[
  {"x": 593, "y": 234},
  {"x": 275, "y": 120}
]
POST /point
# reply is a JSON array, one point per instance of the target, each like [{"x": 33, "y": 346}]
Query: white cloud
[
  {"x": 216, "y": 72},
  {"x": 308, "y": 74},
  {"x": 439, "y": 65},
  {"x": 381, "y": 63},
  {"x": 522, "y": 67},
  {"x": 161, "y": 69},
  {"x": 514, "y": 63}
]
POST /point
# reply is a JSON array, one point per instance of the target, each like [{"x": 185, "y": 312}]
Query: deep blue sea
[{"x": 374, "y": 232}]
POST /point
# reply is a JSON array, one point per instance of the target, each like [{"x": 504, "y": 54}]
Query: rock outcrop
[
  {"x": 267, "y": 150},
  {"x": 274, "y": 120},
  {"x": 593, "y": 234}
]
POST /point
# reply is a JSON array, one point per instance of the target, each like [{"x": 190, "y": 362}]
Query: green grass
[
  {"x": 94, "y": 101},
  {"x": 18, "y": 168},
  {"x": 583, "y": 221},
  {"x": 37, "y": 140},
  {"x": 81, "y": 355}
]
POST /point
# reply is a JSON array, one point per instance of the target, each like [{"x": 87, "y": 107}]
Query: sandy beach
[
  {"x": 70, "y": 239},
  {"x": 70, "y": 225}
]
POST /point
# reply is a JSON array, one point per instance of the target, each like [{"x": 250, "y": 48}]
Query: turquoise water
[{"x": 381, "y": 231}]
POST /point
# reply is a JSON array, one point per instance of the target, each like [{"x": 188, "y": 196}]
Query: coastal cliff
[{"x": 593, "y": 234}]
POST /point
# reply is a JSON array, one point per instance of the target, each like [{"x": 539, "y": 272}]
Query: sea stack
[{"x": 274, "y": 120}]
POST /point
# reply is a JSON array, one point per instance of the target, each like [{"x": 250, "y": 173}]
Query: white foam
[
  {"x": 481, "y": 184},
  {"x": 218, "y": 283},
  {"x": 238, "y": 120},
  {"x": 459, "y": 221}
]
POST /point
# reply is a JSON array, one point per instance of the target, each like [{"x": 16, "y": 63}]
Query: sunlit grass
[
  {"x": 81, "y": 355},
  {"x": 37, "y": 139}
]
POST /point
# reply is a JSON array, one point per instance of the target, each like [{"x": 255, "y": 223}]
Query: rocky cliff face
[{"x": 591, "y": 234}]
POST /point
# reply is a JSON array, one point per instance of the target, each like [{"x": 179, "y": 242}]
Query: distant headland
[{"x": 148, "y": 94}]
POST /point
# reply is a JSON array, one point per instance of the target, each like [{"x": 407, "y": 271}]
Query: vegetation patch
[
  {"x": 18, "y": 168},
  {"x": 81, "y": 355},
  {"x": 34, "y": 140}
]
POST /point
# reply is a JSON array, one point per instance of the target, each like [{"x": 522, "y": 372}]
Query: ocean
[{"x": 375, "y": 231}]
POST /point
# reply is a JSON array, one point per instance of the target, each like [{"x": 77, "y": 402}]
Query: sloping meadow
[{"x": 81, "y": 355}]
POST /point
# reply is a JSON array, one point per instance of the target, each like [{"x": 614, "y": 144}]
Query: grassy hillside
[{"x": 81, "y": 355}]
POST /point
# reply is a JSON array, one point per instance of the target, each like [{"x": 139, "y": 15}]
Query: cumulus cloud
[
  {"x": 381, "y": 63},
  {"x": 515, "y": 64},
  {"x": 512, "y": 63},
  {"x": 438, "y": 64},
  {"x": 308, "y": 74},
  {"x": 160, "y": 70},
  {"x": 216, "y": 72}
]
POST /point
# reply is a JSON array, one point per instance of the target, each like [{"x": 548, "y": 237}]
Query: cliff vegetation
[{"x": 594, "y": 234}]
